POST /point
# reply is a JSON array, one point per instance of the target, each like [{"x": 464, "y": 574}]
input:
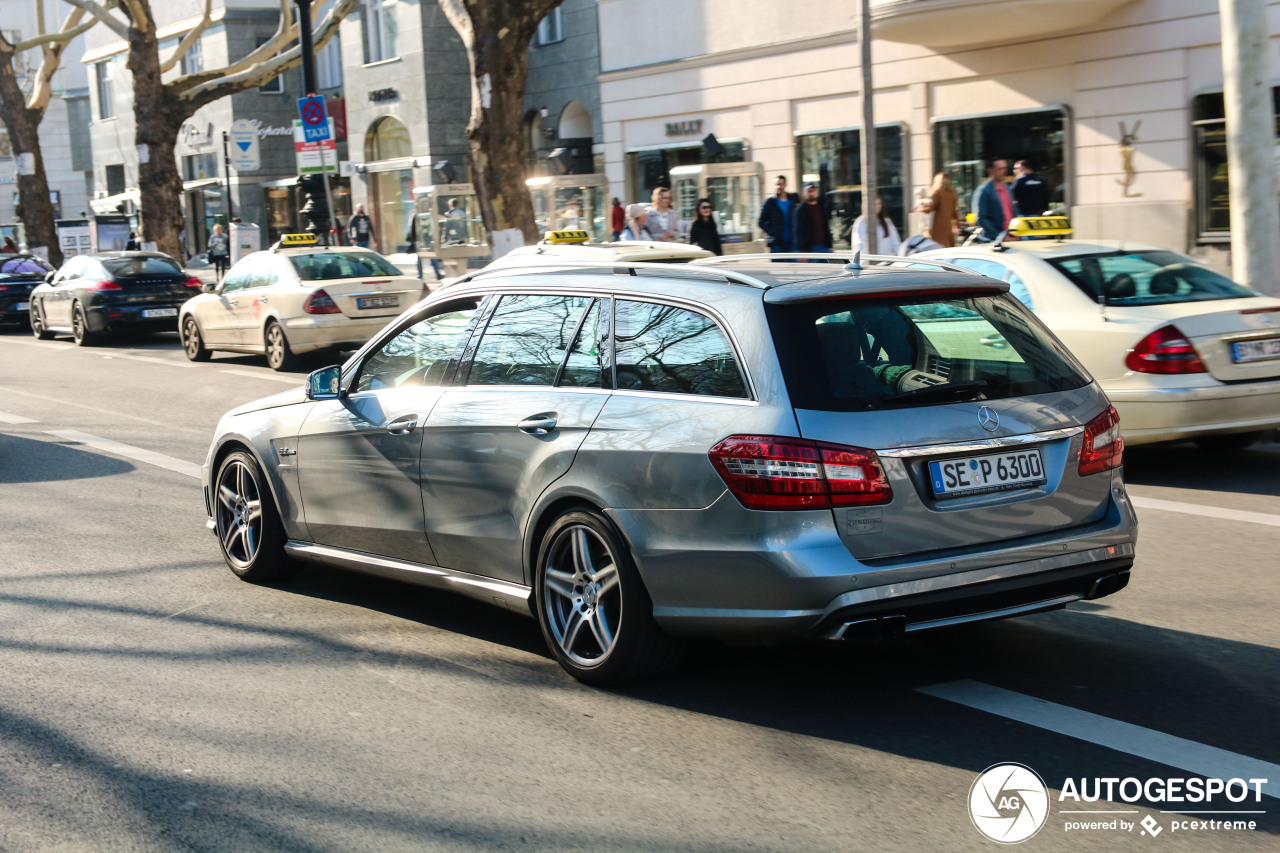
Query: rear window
[
  {"x": 141, "y": 266},
  {"x": 324, "y": 266},
  {"x": 867, "y": 354},
  {"x": 1146, "y": 278},
  {"x": 24, "y": 266}
]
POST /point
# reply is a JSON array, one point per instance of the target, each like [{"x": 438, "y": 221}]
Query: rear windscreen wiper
[{"x": 971, "y": 390}]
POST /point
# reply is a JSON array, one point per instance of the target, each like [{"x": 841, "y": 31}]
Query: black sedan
[
  {"x": 92, "y": 296},
  {"x": 18, "y": 275}
]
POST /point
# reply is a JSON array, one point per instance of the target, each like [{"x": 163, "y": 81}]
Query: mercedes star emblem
[{"x": 988, "y": 418}]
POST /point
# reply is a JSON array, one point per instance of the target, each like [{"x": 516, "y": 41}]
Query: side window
[
  {"x": 239, "y": 276},
  {"x": 262, "y": 274},
  {"x": 665, "y": 348},
  {"x": 981, "y": 266},
  {"x": 526, "y": 339},
  {"x": 419, "y": 356},
  {"x": 1018, "y": 290},
  {"x": 72, "y": 269},
  {"x": 585, "y": 365}
]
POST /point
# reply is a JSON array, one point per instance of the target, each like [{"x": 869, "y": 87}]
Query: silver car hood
[{"x": 285, "y": 398}]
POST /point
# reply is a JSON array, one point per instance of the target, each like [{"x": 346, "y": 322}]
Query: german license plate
[
  {"x": 22, "y": 306},
  {"x": 1246, "y": 351},
  {"x": 995, "y": 472},
  {"x": 378, "y": 302},
  {"x": 159, "y": 312}
]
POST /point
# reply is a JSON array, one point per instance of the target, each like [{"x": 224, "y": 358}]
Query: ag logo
[{"x": 1008, "y": 803}]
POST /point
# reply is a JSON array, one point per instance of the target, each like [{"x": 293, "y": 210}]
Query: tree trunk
[
  {"x": 24, "y": 138},
  {"x": 159, "y": 116}
]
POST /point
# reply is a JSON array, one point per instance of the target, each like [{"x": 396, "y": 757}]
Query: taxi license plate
[
  {"x": 160, "y": 312},
  {"x": 1246, "y": 351},
  {"x": 996, "y": 472},
  {"x": 22, "y": 306},
  {"x": 378, "y": 302}
]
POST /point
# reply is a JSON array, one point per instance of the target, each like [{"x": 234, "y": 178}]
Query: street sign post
[
  {"x": 315, "y": 119},
  {"x": 245, "y": 156}
]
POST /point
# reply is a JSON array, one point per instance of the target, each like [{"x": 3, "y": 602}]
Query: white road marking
[
  {"x": 295, "y": 381},
  {"x": 1198, "y": 758},
  {"x": 6, "y": 418},
  {"x": 1207, "y": 511},
  {"x": 128, "y": 451},
  {"x": 151, "y": 359}
]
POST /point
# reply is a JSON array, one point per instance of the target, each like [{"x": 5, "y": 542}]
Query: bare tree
[
  {"x": 22, "y": 111},
  {"x": 496, "y": 34},
  {"x": 160, "y": 107}
]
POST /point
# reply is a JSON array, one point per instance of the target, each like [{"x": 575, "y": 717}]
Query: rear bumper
[
  {"x": 1149, "y": 415},
  {"x": 116, "y": 318},
  {"x": 332, "y": 331}
]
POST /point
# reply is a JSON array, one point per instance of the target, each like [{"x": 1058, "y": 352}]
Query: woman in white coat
[{"x": 889, "y": 241}]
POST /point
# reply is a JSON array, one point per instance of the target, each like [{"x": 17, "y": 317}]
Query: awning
[
  {"x": 200, "y": 183},
  {"x": 111, "y": 202},
  {"x": 283, "y": 182},
  {"x": 394, "y": 165}
]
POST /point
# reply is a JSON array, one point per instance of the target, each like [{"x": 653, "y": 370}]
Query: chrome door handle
[
  {"x": 537, "y": 425},
  {"x": 403, "y": 425},
  {"x": 232, "y": 302},
  {"x": 262, "y": 299}
]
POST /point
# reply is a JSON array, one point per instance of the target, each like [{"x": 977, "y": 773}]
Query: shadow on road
[
  {"x": 1255, "y": 471},
  {"x": 25, "y": 460}
]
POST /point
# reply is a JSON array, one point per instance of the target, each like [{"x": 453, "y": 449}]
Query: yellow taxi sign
[
  {"x": 568, "y": 236},
  {"x": 1040, "y": 226},
  {"x": 287, "y": 240}
]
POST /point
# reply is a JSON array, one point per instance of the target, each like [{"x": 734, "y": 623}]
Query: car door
[
  {"x": 218, "y": 316},
  {"x": 511, "y": 426},
  {"x": 358, "y": 454},
  {"x": 56, "y": 304},
  {"x": 249, "y": 312}
]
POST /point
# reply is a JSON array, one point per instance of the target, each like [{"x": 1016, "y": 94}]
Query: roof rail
[
  {"x": 855, "y": 257},
  {"x": 611, "y": 266}
]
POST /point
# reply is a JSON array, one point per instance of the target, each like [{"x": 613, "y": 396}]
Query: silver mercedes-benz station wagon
[{"x": 639, "y": 453}]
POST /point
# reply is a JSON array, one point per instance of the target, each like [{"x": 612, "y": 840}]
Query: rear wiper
[{"x": 953, "y": 390}]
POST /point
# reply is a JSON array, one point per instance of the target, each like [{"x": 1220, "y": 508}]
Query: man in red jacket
[{"x": 618, "y": 219}]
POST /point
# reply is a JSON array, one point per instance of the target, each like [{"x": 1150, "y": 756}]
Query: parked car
[
  {"x": 19, "y": 275},
  {"x": 634, "y": 454},
  {"x": 575, "y": 246},
  {"x": 93, "y": 296},
  {"x": 296, "y": 298},
  {"x": 1182, "y": 351}
]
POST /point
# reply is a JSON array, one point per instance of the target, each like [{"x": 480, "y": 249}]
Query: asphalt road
[{"x": 149, "y": 700}]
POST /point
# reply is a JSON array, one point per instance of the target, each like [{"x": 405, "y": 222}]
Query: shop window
[
  {"x": 647, "y": 170},
  {"x": 1213, "y": 196},
  {"x": 833, "y": 161},
  {"x": 391, "y": 192},
  {"x": 380, "y": 30},
  {"x": 962, "y": 147},
  {"x": 198, "y": 166},
  {"x": 551, "y": 29}
]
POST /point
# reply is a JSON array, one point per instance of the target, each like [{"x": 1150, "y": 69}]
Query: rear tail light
[
  {"x": 768, "y": 472},
  {"x": 194, "y": 282},
  {"x": 103, "y": 286},
  {"x": 3, "y": 288},
  {"x": 1103, "y": 447},
  {"x": 320, "y": 303},
  {"x": 1164, "y": 351}
]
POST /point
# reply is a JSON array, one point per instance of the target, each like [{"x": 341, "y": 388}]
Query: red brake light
[
  {"x": 768, "y": 472},
  {"x": 1164, "y": 351},
  {"x": 103, "y": 286},
  {"x": 1103, "y": 447},
  {"x": 194, "y": 282},
  {"x": 3, "y": 287},
  {"x": 320, "y": 303}
]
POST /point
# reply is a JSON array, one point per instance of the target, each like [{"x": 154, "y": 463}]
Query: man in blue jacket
[
  {"x": 993, "y": 202},
  {"x": 775, "y": 217}
]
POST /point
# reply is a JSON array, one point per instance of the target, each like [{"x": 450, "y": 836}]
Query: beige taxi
[
  {"x": 575, "y": 246},
  {"x": 296, "y": 298}
]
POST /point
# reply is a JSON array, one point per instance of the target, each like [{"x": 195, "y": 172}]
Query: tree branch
[
  {"x": 48, "y": 38},
  {"x": 42, "y": 89},
  {"x": 101, "y": 13},
  {"x": 286, "y": 32},
  {"x": 189, "y": 39}
]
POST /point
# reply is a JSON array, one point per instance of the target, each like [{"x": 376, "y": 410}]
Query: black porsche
[{"x": 18, "y": 275}]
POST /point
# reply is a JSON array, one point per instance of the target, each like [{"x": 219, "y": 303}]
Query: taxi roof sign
[
  {"x": 287, "y": 240},
  {"x": 567, "y": 236},
  {"x": 1040, "y": 226}
]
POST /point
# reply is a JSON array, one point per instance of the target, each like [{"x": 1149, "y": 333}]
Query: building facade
[{"x": 1116, "y": 102}]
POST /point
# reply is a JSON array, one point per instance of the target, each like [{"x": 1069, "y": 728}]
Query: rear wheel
[
  {"x": 1231, "y": 443},
  {"x": 595, "y": 613},
  {"x": 248, "y": 524},
  {"x": 279, "y": 356},
  {"x": 80, "y": 327},
  {"x": 38, "y": 327},
  {"x": 192, "y": 343}
]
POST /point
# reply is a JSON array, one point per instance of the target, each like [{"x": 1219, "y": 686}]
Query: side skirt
[{"x": 504, "y": 594}]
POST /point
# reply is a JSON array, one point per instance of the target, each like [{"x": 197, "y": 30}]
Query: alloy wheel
[
  {"x": 275, "y": 346},
  {"x": 191, "y": 338},
  {"x": 239, "y": 513},
  {"x": 582, "y": 595}
]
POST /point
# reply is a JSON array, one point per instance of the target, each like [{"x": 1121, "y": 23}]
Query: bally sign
[{"x": 684, "y": 128}]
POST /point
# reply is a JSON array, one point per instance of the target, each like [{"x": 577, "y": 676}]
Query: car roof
[
  {"x": 1048, "y": 249},
  {"x": 313, "y": 250},
  {"x": 621, "y": 251}
]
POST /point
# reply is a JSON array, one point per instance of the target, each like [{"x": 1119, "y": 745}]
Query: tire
[
  {"x": 38, "y": 327},
  {"x": 1231, "y": 443},
  {"x": 80, "y": 328},
  {"x": 192, "y": 343},
  {"x": 279, "y": 356},
  {"x": 594, "y": 611},
  {"x": 250, "y": 534}
]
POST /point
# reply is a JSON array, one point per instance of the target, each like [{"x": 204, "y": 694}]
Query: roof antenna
[{"x": 856, "y": 264}]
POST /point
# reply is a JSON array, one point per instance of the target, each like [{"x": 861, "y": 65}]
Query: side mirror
[
  {"x": 325, "y": 383},
  {"x": 48, "y": 277},
  {"x": 209, "y": 287}
]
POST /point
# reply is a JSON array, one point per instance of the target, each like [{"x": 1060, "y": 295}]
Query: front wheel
[
  {"x": 248, "y": 524},
  {"x": 595, "y": 613},
  {"x": 192, "y": 343},
  {"x": 38, "y": 328},
  {"x": 279, "y": 356}
]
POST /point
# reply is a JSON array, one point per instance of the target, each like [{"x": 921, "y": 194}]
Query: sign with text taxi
[
  {"x": 243, "y": 149},
  {"x": 308, "y": 153},
  {"x": 315, "y": 120}
]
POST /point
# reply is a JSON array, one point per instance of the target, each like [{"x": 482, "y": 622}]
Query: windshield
[
  {"x": 862, "y": 354},
  {"x": 1146, "y": 278},
  {"x": 324, "y": 266},
  {"x": 24, "y": 266},
  {"x": 135, "y": 266}
]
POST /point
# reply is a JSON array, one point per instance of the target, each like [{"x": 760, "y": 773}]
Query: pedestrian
[
  {"x": 664, "y": 222},
  {"x": 360, "y": 228},
  {"x": 617, "y": 219},
  {"x": 887, "y": 239},
  {"x": 993, "y": 202},
  {"x": 810, "y": 223},
  {"x": 944, "y": 223},
  {"x": 219, "y": 252},
  {"x": 703, "y": 232},
  {"x": 637, "y": 227},
  {"x": 775, "y": 217},
  {"x": 1030, "y": 192},
  {"x": 132, "y": 244},
  {"x": 454, "y": 224},
  {"x": 9, "y": 247}
]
